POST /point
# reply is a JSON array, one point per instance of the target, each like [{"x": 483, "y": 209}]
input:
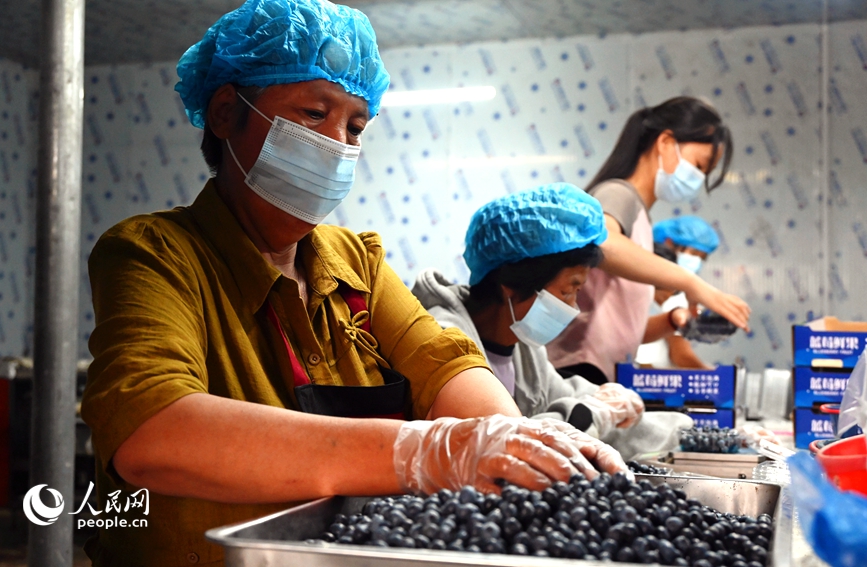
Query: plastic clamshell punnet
[{"x": 279, "y": 539}]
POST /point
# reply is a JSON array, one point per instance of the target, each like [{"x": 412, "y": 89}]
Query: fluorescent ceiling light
[{"x": 438, "y": 96}]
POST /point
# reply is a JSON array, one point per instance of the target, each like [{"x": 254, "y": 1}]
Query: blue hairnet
[
  {"x": 277, "y": 42},
  {"x": 545, "y": 220},
  {"x": 687, "y": 231}
]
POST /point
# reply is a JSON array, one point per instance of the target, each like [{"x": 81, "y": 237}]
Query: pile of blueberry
[
  {"x": 642, "y": 468},
  {"x": 609, "y": 518},
  {"x": 710, "y": 440}
]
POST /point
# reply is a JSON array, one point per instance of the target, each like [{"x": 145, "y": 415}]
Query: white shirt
[{"x": 657, "y": 353}]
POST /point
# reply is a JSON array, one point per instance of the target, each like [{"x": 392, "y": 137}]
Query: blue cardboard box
[
  {"x": 818, "y": 386},
  {"x": 679, "y": 388},
  {"x": 811, "y": 425},
  {"x": 718, "y": 418},
  {"x": 828, "y": 343}
]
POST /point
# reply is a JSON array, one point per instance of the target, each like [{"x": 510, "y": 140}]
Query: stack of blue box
[
  {"x": 825, "y": 351},
  {"x": 707, "y": 396}
]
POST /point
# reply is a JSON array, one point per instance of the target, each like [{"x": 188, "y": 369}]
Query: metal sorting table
[
  {"x": 725, "y": 465},
  {"x": 279, "y": 539}
]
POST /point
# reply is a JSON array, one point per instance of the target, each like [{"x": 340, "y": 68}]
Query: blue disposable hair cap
[
  {"x": 536, "y": 222},
  {"x": 687, "y": 231},
  {"x": 278, "y": 42}
]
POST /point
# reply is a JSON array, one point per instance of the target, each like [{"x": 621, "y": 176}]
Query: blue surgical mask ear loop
[
  {"x": 511, "y": 309},
  {"x": 229, "y": 144}
]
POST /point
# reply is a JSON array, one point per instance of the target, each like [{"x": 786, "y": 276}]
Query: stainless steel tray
[
  {"x": 723, "y": 465},
  {"x": 278, "y": 539}
]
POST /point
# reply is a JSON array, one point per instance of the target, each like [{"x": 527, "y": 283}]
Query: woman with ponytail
[{"x": 665, "y": 152}]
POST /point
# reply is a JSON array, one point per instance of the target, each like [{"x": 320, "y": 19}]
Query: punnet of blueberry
[
  {"x": 608, "y": 518},
  {"x": 710, "y": 440}
]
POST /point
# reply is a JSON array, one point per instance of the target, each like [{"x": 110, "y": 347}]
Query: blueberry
[
  {"x": 511, "y": 526},
  {"x": 609, "y": 545},
  {"x": 467, "y": 495},
  {"x": 626, "y": 514},
  {"x": 539, "y": 542},
  {"x": 620, "y": 481},
  {"x": 667, "y": 552},
  {"x": 575, "y": 550},
  {"x": 438, "y": 544},
  {"x": 518, "y": 549},
  {"x": 702, "y": 563},
  {"x": 490, "y": 530},
  {"x": 682, "y": 543},
  {"x": 625, "y": 555},
  {"x": 526, "y": 512},
  {"x": 673, "y": 524}
]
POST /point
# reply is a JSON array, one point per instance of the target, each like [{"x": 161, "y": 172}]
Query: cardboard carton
[
  {"x": 679, "y": 388},
  {"x": 828, "y": 343}
]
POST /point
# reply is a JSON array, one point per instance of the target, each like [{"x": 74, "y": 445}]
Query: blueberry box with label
[
  {"x": 818, "y": 386},
  {"x": 828, "y": 343},
  {"x": 706, "y": 417},
  {"x": 811, "y": 425},
  {"x": 679, "y": 388}
]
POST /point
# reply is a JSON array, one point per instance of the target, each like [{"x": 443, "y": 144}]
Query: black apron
[{"x": 391, "y": 400}]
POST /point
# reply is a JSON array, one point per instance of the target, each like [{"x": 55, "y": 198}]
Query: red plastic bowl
[{"x": 845, "y": 463}]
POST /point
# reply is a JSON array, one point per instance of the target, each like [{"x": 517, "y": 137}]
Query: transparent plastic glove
[
  {"x": 604, "y": 418},
  {"x": 753, "y": 433},
  {"x": 627, "y": 405},
  {"x": 603, "y": 456},
  {"x": 451, "y": 453}
]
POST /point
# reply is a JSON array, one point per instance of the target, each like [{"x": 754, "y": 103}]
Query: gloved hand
[
  {"x": 451, "y": 453},
  {"x": 603, "y": 456},
  {"x": 753, "y": 433},
  {"x": 628, "y": 403}
]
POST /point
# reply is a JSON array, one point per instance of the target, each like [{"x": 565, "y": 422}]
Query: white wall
[{"x": 560, "y": 106}]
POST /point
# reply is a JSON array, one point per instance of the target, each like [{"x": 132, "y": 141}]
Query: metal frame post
[{"x": 58, "y": 254}]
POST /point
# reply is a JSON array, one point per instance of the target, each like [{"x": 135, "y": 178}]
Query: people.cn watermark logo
[{"x": 36, "y": 510}]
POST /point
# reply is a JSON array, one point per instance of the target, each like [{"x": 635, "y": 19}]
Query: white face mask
[
  {"x": 299, "y": 171},
  {"x": 547, "y": 318},
  {"x": 689, "y": 261},
  {"x": 682, "y": 185}
]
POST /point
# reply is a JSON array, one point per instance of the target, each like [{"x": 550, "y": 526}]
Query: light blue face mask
[
  {"x": 547, "y": 318},
  {"x": 299, "y": 171},
  {"x": 682, "y": 185},
  {"x": 689, "y": 262}
]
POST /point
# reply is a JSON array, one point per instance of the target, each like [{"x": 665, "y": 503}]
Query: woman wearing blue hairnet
[
  {"x": 237, "y": 338},
  {"x": 688, "y": 241},
  {"x": 529, "y": 254},
  {"x": 664, "y": 152}
]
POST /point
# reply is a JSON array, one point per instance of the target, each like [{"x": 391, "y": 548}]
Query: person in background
[
  {"x": 237, "y": 340},
  {"x": 529, "y": 254},
  {"x": 689, "y": 240},
  {"x": 664, "y": 152}
]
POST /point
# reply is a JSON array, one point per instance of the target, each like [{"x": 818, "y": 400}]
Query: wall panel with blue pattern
[{"x": 559, "y": 107}]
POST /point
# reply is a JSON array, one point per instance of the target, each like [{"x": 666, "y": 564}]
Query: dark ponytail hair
[{"x": 688, "y": 118}]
